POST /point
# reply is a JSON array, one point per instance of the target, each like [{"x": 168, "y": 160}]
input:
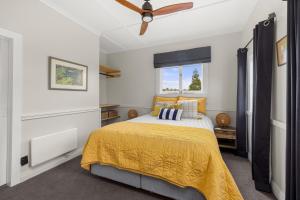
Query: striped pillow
[{"x": 170, "y": 114}]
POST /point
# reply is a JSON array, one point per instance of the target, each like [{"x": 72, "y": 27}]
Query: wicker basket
[{"x": 223, "y": 120}]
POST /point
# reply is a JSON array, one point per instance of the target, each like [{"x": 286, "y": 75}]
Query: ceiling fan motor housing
[
  {"x": 147, "y": 6},
  {"x": 147, "y": 16}
]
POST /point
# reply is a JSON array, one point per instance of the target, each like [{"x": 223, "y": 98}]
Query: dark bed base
[{"x": 146, "y": 183}]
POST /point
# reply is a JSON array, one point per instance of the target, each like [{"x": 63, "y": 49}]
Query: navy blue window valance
[{"x": 183, "y": 57}]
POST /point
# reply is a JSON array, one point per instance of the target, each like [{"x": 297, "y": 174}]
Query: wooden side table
[{"x": 226, "y": 137}]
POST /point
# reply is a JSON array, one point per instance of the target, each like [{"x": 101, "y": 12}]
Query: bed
[{"x": 176, "y": 159}]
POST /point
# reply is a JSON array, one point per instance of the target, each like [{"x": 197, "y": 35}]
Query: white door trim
[
  {"x": 4, "y": 63},
  {"x": 15, "y": 106}
]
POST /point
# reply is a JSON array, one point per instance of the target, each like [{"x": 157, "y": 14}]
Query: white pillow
[{"x": 190, "y": 108}]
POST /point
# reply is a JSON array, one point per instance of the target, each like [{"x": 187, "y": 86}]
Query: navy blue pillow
[{"x": 170, "y": 114}]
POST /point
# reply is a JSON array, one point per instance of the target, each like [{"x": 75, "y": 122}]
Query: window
[
  {"x": 170, "y": 80},
  {"x": 186, "y": 79}
]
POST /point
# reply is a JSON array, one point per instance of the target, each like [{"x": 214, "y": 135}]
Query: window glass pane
[
  {"x": 192, "y": 78},
  {"x": 170, "y": 80}
]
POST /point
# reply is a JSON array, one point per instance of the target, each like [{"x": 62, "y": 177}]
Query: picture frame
[
  {"x": 67, "y": 75},
  {"x": 281, "y": 48}
]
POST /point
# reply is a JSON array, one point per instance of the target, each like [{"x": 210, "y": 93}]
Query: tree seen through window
[{"x": 187, "y": 78}]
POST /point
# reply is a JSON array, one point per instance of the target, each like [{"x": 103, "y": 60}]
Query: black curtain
[
  {"x": 241, "y": 129},
  {"x": 293, "y": 103},
  {"x": 263, "y": 42}
]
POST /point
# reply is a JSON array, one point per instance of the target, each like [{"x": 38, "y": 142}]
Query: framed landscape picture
[
  {"x": 66, "y": 75},
  {"x": 281, "y": 48}
]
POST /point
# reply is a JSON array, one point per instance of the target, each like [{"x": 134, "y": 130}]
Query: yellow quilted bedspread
[{"x": 184, "y": 156}]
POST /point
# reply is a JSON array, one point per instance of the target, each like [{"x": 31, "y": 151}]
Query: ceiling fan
[{"x": 148, "y": 13}]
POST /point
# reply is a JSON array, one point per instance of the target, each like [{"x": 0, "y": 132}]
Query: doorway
[
  {"x": 4, "y": 65},
  {"x": 11, "y": 65}
]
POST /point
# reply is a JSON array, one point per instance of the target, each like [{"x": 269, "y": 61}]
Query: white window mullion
[
  {"x": 160, "y": 80},
  {"x": 180, "y": 79}
]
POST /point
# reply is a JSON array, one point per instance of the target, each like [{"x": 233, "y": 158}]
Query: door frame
[
  {"x": 14, "y": 128},
  {"x": 5, "y": 48}
]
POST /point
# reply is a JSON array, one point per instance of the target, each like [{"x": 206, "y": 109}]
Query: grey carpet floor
[{"x": 70, "y": 182}]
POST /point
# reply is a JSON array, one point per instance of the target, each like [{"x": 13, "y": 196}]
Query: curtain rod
[{"x": 271, "y": 16}]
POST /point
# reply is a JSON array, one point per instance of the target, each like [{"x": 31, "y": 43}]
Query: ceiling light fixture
[{"x": 147, "y": 17}]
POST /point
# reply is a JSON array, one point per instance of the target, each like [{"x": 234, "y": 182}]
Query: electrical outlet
[{"x": 24, "y": 160}]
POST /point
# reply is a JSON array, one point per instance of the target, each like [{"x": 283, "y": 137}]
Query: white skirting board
[
  {"x": 51, "y": 164},
  {"x": 50, "y": 146},
  {"x": 279, "y": 194}
]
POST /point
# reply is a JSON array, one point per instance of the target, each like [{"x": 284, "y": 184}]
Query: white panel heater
[{"x": 47, "y": 147}]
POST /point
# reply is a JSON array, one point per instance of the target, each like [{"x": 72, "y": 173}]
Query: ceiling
[{"x": 119, "y": 27}]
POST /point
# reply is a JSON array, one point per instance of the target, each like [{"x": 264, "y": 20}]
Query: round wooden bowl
[
  {"x": 132, "y": 114},
  {"x": 223, "y": 120}
]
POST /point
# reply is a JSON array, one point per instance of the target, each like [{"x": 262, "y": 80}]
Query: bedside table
[{"x": 226, "y": 137}]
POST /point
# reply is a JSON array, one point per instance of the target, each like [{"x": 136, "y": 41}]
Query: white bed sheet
[{"x": 204, "y": 122}]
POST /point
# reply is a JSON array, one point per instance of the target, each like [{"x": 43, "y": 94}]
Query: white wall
[
  {"x": 136, "y": 86},
  {"x": 47, "y": 33},
  {"x": 278, "y": 131},
  {"x": 103, "y": 82}
]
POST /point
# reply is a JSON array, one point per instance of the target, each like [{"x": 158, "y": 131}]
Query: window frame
[{"x": 202, "y": 93}]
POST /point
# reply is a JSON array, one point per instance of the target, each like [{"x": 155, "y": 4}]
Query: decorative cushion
[
  {"x": 175, "y": 106},
  {"x": 156, "y": 111},
  {"x": 190, "y": 108},
  {"x": 200, "y": 116},
  {"x": 201, "y": 103},
  {"x": 170, "y": 114},
  {"x": 160, "y": 105},
  {"x": 170, "y": 100},
  {"x": 164, "y": 104}
]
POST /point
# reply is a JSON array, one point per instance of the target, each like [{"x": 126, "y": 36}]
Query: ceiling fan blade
[
  {"x": 130, "y": 6},
  {"x": 173, "y": 8},
  {"x": 143, "y": 28}
]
